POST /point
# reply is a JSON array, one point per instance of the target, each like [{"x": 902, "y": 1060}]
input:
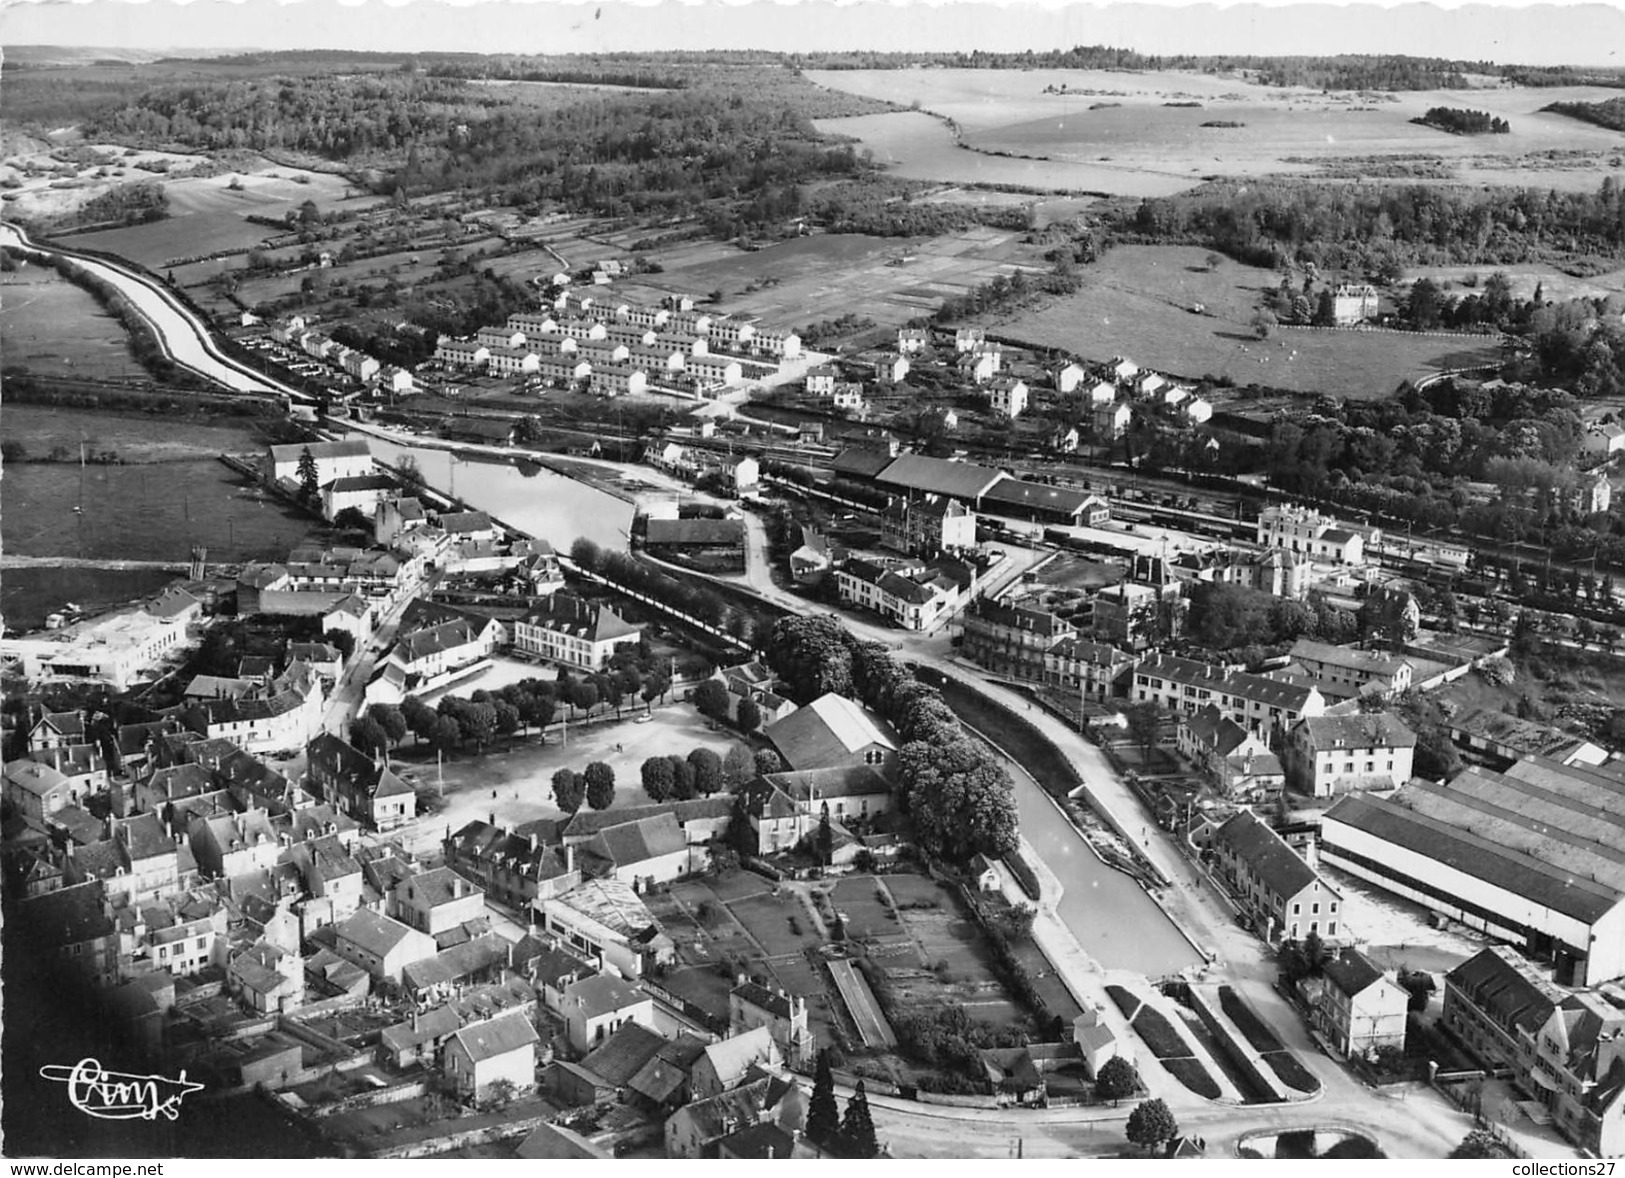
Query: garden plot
[
  {"x": 955, "y": 966},
  {"x": 866, "y": 913},
  {"x": 780, "y": 924}
]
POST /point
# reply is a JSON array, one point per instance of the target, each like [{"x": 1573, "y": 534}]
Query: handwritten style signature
[{"x": 119, "y": 1096}]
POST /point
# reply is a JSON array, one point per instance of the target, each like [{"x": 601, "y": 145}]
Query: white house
[
  {"x": 1352, "y": 303},
  {"x": 1007, "y": 397},
  {"x": 514, "y": 361},
  {"x": 1068, "y": 377},
  {"x": 461, "y": 353}
]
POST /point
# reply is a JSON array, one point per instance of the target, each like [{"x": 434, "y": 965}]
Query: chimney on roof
[
  {"x": 569, "y": 857},
  {"x": 533, "y": 840}
]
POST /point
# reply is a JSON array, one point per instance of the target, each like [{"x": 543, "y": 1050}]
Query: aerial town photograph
[{"x": 741, "y": 581}]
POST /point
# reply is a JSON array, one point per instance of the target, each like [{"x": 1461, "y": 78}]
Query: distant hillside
[{"x": 47, "y": 55}]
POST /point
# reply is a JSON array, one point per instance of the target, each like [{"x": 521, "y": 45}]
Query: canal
[
  {"x": 1113, "y": 918},
  {"x": 539, "y": 502}
]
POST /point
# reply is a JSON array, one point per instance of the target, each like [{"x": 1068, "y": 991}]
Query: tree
[
  {"x": 962, "y": 801},
  {"x": 1264, "y": 324},
  {"x": 584, "y": 695},
  {"x": 682, "y": 778},
  {"x": 309, "y": 489},
  {"x": 392, "y": 720},
  {"x": 659, "y": 779},
  {"x": 738, "y": 767},
  {"x": 368, "y": 735},
  {"x": 340, "y": 640},
  {"x": 749, "y": 716},
  {"x": 826, "y": 836},
  {"x": 1145, "y": 725},
  {"x": 769, "y": 761},
  {"x": 587, "y": 554},
  {"x": 823, "y": 1117},
  {"x": 419, "y": 716},
  {"x": 1151, "y": 1125},
  {"x": 711, "y": 698},
  {"x": 507, "y": 717},
  {"x": 858, "y": 1126},
  {"x": 12, "y": 450},
  {"x": 478, "y": 723},
  {"x": 600, "y": 779},
  {"x": 569, "y": 790},
  {"x": 1314, "y": 953},
  {"x": 448, "y": 734},
  {"x": 1116, "y": 1079},
  {"x": 352, "y": 520},
  {"x": 1213, "y": 261},
  {"x": 1480, "y": 1143},
  {"x": 707, "y": 771}
]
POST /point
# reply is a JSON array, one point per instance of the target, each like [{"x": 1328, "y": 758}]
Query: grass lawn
[{"x": 1137, "y": 301}]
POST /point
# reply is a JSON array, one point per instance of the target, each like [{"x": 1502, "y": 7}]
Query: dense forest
[
  {"x": 1610, "y": 114},
  {"x": 1379, "y": 229},
  {"x": 1460, "y": 121},
  {"x": 740, "y": 142}
]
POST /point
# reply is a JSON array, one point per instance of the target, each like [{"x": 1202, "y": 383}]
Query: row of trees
[
  {"x": 960, "y": 797},
  {"x": 852, "y": 1136},
  {"x": 514, "y": 709},
  {"x": 702, "y": 773},
  {"x": 595, "y": 785},
  {"x": 628, "y": 572}
]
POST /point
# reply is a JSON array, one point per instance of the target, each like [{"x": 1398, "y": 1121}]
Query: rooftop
[
  {"x": 1533, "y": 843},
  {"x": 829, "y": 730},
  {"x": 916, "y": 472},
  {"x": 1266, "y": 853}
]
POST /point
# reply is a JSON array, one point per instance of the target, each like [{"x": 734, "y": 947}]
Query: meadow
[
  {"x": 915, "y": 146},
  {"x": 812, "y": 279},
  {"x": 1115, "y": 132},
  {"x": 1136, "y": 303},
  {"x": 51, "y": 326}
]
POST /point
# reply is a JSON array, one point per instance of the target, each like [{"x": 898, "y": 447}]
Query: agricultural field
[
  {"x": 1137, "y": 302},
  {"x": 915, "y": 146},
  {"x": 812, "y": 279},
  {"x": 52, "y": 327},
  {"x": 206, "y": 214},
  {"x": 1116, "y": 132}
]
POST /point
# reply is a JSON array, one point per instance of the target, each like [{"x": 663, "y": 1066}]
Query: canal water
[
  {"x": 170, "y": 492},
  {"x": 538, "y": 501},
  {"x": 1112, "y": 917}
]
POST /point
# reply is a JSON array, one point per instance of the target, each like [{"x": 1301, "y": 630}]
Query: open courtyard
[{"x": 512, "y": 784}]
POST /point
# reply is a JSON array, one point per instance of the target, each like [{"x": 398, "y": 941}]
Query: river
[
  {"x": 537, "y": 501},
  {"x": 171, "y": 493}
]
